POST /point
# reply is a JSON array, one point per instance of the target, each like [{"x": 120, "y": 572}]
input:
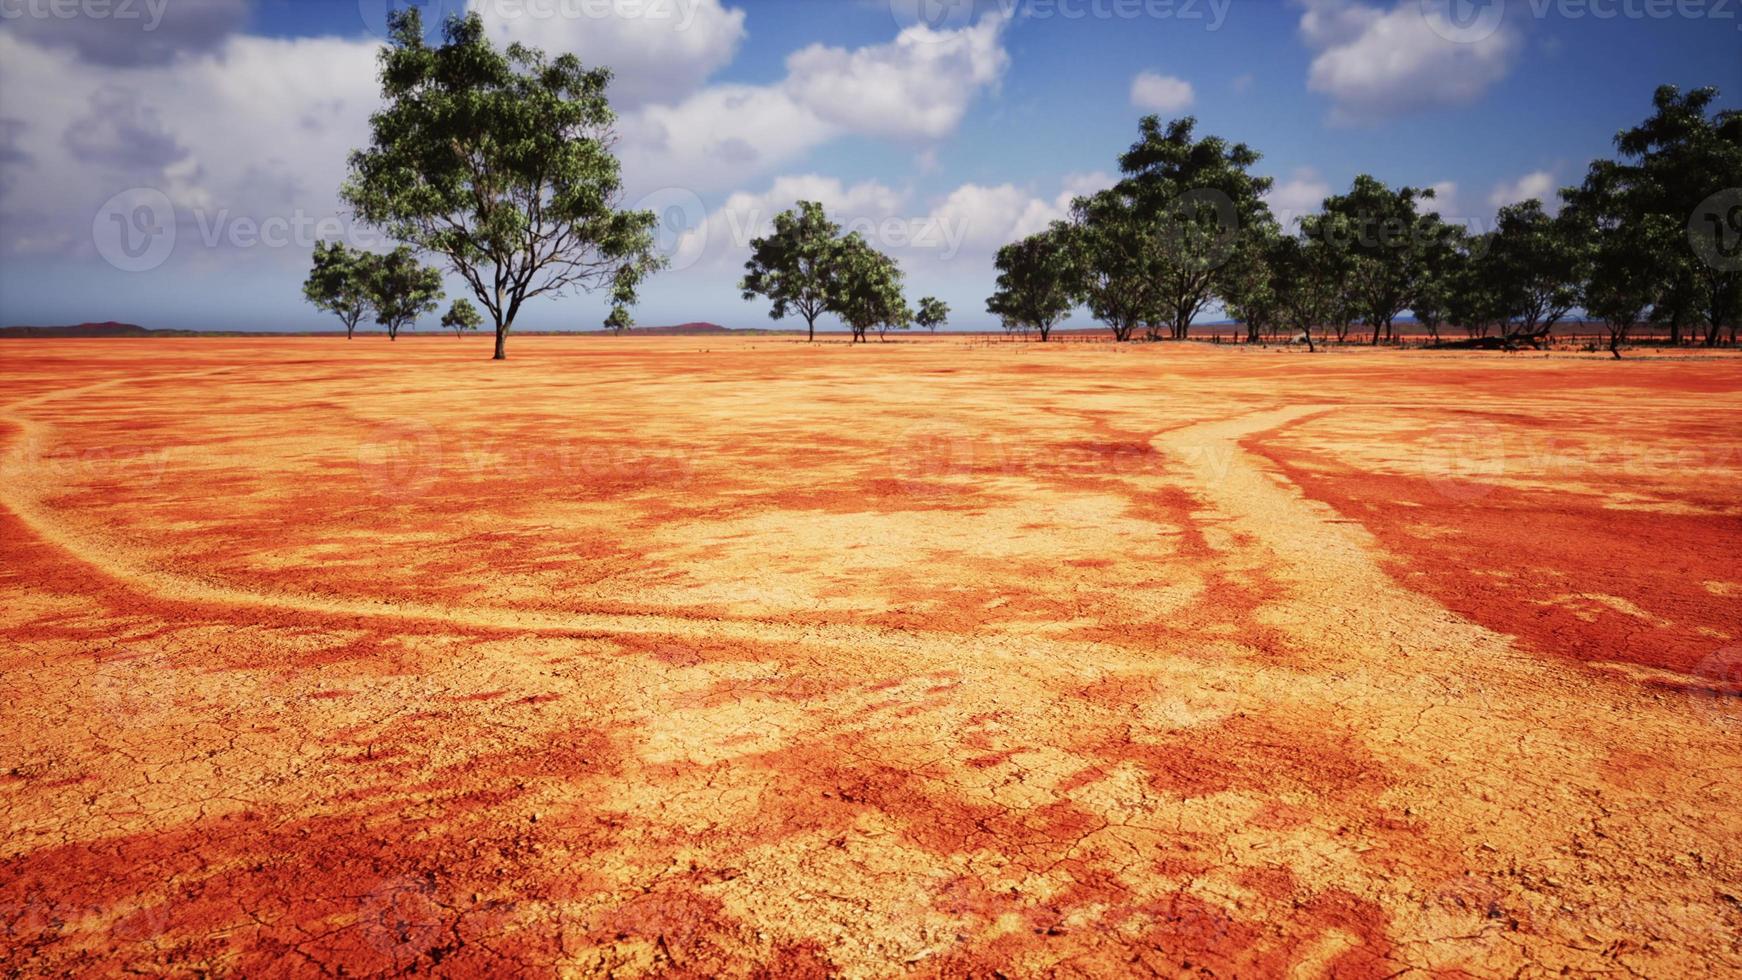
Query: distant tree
[
  {"x": 933, "y": 313},
  {"x": 401, "y": 289},
  {"x": 1474, "y": 303},
  {"x": 1538, "y": 263},
  {"x": 502, "y": 163},
  {"x": 461, "y": 317},
  {"x": 866, "y": 289},
  {"x": 1332, "y": 262},
  {"x": 619, "y": 320},
  {"x": 796, "y": 265},
  {"x": 1442, "y": 260},
  {"x": 1201, "y": 195},
  {"x": 339, "y": 284},
  {"x": 1037, "y": 280},
  {"x": 1381, "y": 235},
  {"x": 1306, "y": 282},
  {"x": 1249, "y": 291},
  {"x": 1683, "y": 158},
  {"x": 1118, "y": 255}
]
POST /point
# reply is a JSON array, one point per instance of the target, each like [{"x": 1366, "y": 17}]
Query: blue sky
[{"x": 234, "y": 118}]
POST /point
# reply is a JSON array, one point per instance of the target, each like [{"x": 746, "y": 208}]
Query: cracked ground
[{"x": 736, "y": 656}]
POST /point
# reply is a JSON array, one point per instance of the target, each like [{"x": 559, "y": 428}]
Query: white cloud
[
  {"x": 1538, "y": 184},
  {"x": 656, "y": 51},
  {"x": 917, "y": 87},
  {"x": 1160, "y": 93},
  {"x": 1301, "y": 194},
  {"x": 1376, "y": 64},
  {"x": 1445, "y": 200}
]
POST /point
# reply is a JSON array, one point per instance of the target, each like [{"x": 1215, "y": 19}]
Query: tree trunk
[
  {"x": 1045, "y": 332},
  {"x": 811, "y": 323},
  {"x": 501, "y": 343}
]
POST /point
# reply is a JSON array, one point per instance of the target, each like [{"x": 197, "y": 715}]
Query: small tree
[
  {"x": 619, "y": 320},
  {"x": 1118, "y": 254},
  {"x": 1442, "y": 258},
  {"x": 1539, "y": 264},
  {"x": 866, "y": 289},
  {"x": 339, "y": 283},
  {"x": 502, "y": 163},
  {"x": 1249, "y": 289},
  {"x": 1384, "y": 247},
  {"x": 795, "y": 266},
  {"x": 933, "y": 313},
  {"x": 462, "y": 316},
  {"x": 1037, "y": 281},
  {"x": 401, "y": 289}
]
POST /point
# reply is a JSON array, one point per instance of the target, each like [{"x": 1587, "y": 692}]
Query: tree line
[{"x": 500, "y": 162}]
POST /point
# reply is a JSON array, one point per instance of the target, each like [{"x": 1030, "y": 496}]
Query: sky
[{"x": 172, "y": 162}]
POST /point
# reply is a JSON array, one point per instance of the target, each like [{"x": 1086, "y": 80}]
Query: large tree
[
  {"x": 1203, "y": 197},
  {"x": 339, "y": 283},
  {"x": 1443, "y": 255},
  {"x": 866, "y": 289},
  {"x": 1037, "y": 281},
  {"x": 1538, "y": 263},
  {"x": 1119, "y": 253},
  {"x": 1382, "y": 235},
  {"x": 795, "y": 265},
  {"x": 401, "y": 289},
  {"x": 1625, "y": 277},
  {"x": 1686, "y": 162},
  {"x": 502, "y": 163}
]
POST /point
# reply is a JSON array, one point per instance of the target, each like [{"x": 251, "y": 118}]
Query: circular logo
[
  {"x": 1462, "y": 461},
  {"x": 933, "y": 15},
  {"x": 134, "y": 231},
  {"x": 680, "y": 225},
  {"x": 1715, "y": 230},
  {"x": 378, "y": 14},
  {"x": 1463, "y": 21},
  {"x": 1200, "y": 226},
  {"x": 403, "y": 921},
  {"x": 925, "y": 455},
  {"x": 403, "y": 459},
  {"x": 1720, "y": 696}
]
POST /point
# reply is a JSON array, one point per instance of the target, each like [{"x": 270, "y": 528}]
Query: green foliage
[
  {"x": 1249, "y": 291},
  {"x": 1444, "y": 256},
  {"x": 796, "y": 265},
  {"x": 1382, "y": 240},
  {"x": 339, "y": 284},
  {"x": 462, "y": 316},
  {"x": 1537, "y": 264},
  {"x": 1038, "y": 279},
  {"x": 619, "y": 320},
  {"x": 401, "y": 289},
  {"x": 502, "y": 163},
  {"x": 933, "y": 313},
  {"x": 1118, "y": 261},
  {"x": 1201, "y": 199},
  {"x": 866, "y": 289}
]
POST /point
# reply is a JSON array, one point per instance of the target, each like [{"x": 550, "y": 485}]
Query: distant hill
[{"x": 108, "y": 328}]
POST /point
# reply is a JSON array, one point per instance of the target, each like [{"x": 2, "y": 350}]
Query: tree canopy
[{"x": 795, "y": 265}]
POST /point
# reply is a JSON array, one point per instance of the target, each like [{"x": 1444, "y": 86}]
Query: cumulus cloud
[
  {"x": 658, "y": 50},
  {"x": 1538, "y": 185},
  {"x": 1161, "y": 93},
  {"x": 144, "y": 32},
  {"x": 1379, "y": 63},
  {"x": 1301, "y": 194},
  {"x": 917, "y": 87}
]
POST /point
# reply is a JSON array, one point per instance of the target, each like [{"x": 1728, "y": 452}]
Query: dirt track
[{"x": 707, "y": 656}]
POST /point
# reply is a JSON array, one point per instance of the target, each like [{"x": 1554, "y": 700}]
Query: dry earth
[{"x": 947, "y": 657}]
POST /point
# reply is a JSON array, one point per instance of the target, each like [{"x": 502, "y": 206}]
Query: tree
[
  {"x": 1686, "y": 164},
  {"x": 1307, "y": 283},
  {"x": 1202, "y": 196},
  {"x": 1442, "y": 260},
  {"x": 462, "y": 316},
  {"x": 1037, "y": 280},
  {"x": 401, "y": 289},
  {"x": 1249, "y": 292},
  {"x": 502, "y": 163},
  {"x": 1384, "y": 247},
  {"x": 338, "y": 283},
  {"x": 619, "y": 320},
  {"x": 1117, "y": 254},
  {"x": 795, "y": 266},
  {"x": 866, "y": 289},
  {"x": 1538, "y": 264},
  {"x": 1625, "y": 278},
  {"x": 933, "y": 313}
]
